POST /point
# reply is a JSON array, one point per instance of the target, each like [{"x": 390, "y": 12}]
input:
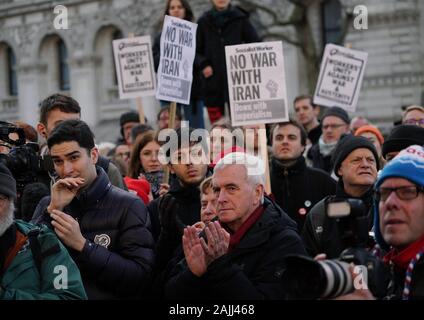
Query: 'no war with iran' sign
[
  {"x": 340, "y": 77},
  {"x": 177, "y": 52},
  {"x": 256, "y": 83},
  {"x": 134, "y": 67}
]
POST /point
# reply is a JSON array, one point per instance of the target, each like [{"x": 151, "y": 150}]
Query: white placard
[
  {"x": 340, "y": 77},
  {"x": 256, "y": 83},
  {"x": 134, "y": 67},
  {"x": 177, "y": 52}
]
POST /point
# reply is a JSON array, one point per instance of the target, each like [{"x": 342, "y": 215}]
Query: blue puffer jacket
[{"x": 118, "y": 257}]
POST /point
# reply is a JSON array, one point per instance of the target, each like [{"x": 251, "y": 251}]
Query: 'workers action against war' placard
[
  {"x": 134, "y": 67},
  {"x": 177, "y": 51},
  {"x": 340, "y": 77},
  {"x": 256, "y": 83}
]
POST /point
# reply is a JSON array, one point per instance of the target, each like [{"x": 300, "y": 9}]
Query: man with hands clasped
[
  {"x": 243, "y": 257},
  {"x": 106, "y": 230}
]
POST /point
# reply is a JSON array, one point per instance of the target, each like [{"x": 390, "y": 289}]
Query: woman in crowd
[
  {"x": 193, "y": 113},
  {"x": 144, "y": 163}
]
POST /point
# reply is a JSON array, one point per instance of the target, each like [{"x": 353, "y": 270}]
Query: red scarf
[
  {"x": 236, "y": 237},
  {"x": 402, "y": 258}
]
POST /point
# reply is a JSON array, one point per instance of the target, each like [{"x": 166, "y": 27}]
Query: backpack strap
[{"x": 36, "y": 249}]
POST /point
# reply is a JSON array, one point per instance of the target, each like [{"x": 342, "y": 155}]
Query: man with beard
[{"x": 30, "y": 256}]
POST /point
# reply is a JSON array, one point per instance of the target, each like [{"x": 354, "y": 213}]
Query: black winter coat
[
  {"x": 321, "y": 234},
  {"x": 118, "y": 257},
  {"x": 211, "y": 41},
  {"x": 187, "y": 213},
  {"x": 395, "y": 289},
  {"x": 252, "y": 271},
  {"x": 298, "y": 188}
]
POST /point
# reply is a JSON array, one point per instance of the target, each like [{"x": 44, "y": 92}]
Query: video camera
[
  {"x": 306, "y": 278},
  {"x": 23, "y": 160}
]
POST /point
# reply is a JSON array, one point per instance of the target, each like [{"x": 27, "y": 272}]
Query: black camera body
[
  {"x": 23, "y": 160},
  {"x": 306, "y": 278}
]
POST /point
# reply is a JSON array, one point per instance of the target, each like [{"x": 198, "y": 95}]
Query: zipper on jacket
[{"x": 286, "y": 181}]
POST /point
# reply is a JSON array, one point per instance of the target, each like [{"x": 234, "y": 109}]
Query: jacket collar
[
  {"x": 96, "y": 190},
  {"x": 367, "y": 197},
  {"x": 297, "y": 167},
  {"x": 260, "y": 232}
]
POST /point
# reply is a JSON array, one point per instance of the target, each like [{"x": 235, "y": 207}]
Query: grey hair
[
  {"x": 7, "y": 220},
  {"x": 255, "y": 168}
]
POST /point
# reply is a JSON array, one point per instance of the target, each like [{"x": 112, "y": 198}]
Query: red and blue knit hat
[{"x": 409, "y": 165}]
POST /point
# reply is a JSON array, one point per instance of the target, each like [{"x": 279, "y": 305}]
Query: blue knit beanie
[{"x": 408, "y": 164}]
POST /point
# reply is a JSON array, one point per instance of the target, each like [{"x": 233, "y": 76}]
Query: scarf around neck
[
  {"x": 402, "y": 258},
  {"x": 326, "y": 148}
]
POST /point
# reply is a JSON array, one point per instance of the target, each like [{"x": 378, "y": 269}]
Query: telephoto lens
[{"x": 306, "y": 278}]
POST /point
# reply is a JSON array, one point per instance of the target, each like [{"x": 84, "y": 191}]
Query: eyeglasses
[
  {"x": 403, "y": 193},
  {"x": 332, "y": 126},
  {"x": 415, "y": 122}
]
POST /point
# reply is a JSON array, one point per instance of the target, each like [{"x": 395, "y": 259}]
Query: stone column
[
  {"x": 29, "y": 90},
  {"x": 83, "y": 87}
]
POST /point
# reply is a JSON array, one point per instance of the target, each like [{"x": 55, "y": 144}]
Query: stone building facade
[{"x": 36, "y": 59}]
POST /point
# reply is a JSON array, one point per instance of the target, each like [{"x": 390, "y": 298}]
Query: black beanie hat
[
  {"x": 7, "y": 182},
  {"x": 336, "y": 112},
  {"x": 130, "y": 116},
  {"x": 346, "y": 145},
  {"x": 402, "y": 137}
]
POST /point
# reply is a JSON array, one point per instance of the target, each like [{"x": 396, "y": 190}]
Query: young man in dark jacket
[
  {"x": 244, "y": 254},
  {"x": 106, "y": 229},
  {"x": 221, "y": 26},
  {"x": 356, "y": 164},
  {"x": 57, "y": 108},
  {"x": 296, "y": 187},
  {"x": 181, "y": 205}
]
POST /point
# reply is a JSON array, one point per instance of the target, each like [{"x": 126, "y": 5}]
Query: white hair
[
  {"x": 6, "y": 220},
  {"x": 255, "y": 168}
]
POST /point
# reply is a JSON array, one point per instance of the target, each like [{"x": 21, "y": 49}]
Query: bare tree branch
[
  {"x": 283, "y": 37},
  {"x": 276, "y": 20},
  {"x": 347, "y": 22}
]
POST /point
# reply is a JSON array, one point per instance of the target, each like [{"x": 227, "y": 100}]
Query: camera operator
[
  {"x": 356, "y": 164},
  {"x": 399, "y": 226},
  {"x": 20, "y": 154}
]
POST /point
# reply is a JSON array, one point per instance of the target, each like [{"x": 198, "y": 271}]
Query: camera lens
[
  {"x": 338, "y": 278},
  {"x": 306, "y": 278}
]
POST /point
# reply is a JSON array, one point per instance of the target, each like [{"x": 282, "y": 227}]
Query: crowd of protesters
[{"x": 176, "y": 218}]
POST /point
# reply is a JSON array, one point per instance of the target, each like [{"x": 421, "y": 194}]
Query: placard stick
[
  {"x": 171, "y": 124},
  {"x": 264, "y": 156},
  {"x": 172, "y": 113},
  {"x": 138, "y": 101}
]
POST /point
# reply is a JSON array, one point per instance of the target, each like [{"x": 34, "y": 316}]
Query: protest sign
[
  {"x": 177, "y": 52},
  {"x": 256, "y": 83},
  {"x": 340, "y": 77},
  {"x": 134, "y": 67}
]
